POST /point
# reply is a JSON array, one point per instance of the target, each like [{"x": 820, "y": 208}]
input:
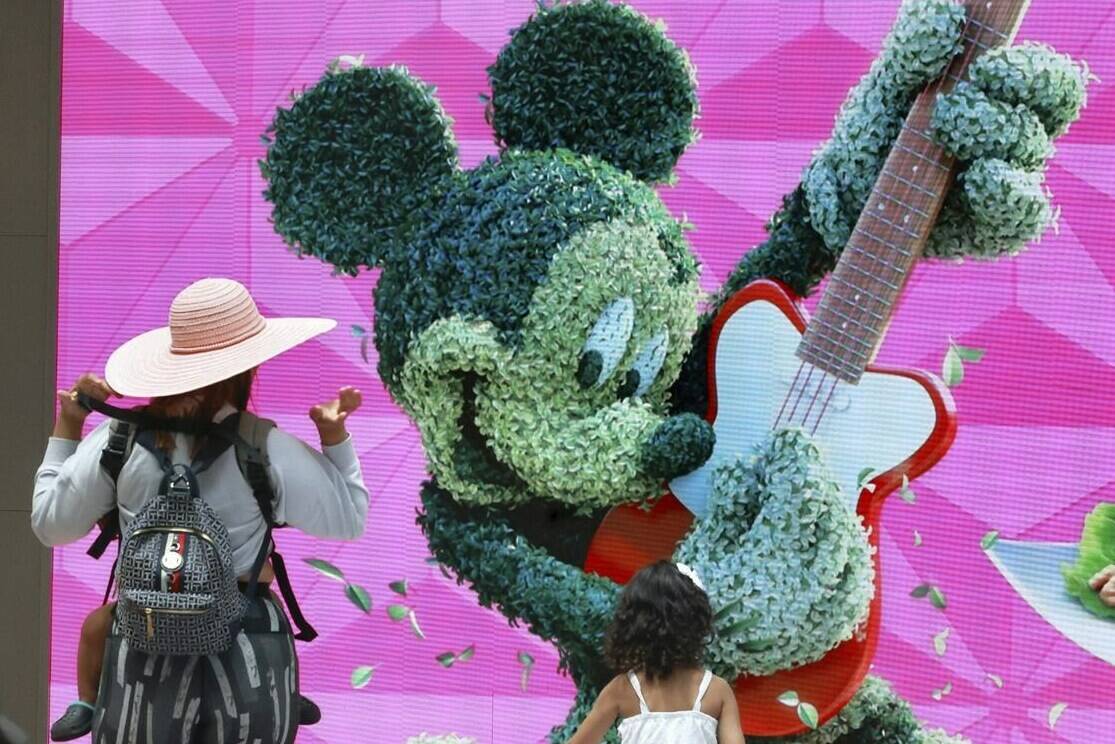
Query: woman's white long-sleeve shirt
[{"x": 320, "y": 493}]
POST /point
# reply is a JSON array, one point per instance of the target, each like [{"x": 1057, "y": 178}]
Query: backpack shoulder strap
[
  {"x": 252, "y": 457},
  {"x": 121, "y": 439}
]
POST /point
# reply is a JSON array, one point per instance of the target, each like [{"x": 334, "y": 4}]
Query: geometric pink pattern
[{"x": 162, "y": 111}]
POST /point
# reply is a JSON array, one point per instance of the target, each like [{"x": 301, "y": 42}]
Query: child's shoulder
[
  {"x": 616, "y": 686},
  {"x": 618, "y": 696},
  {"x": 719, "y": 690}
]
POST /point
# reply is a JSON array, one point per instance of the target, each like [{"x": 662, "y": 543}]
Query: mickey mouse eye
[
  {"x": 630, "y": 384},
  {"x": 606, "y": 343},
  {"x": 648, "y": 363}
]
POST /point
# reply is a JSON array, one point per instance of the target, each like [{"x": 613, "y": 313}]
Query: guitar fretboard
[{"x": 844, "y": 334}]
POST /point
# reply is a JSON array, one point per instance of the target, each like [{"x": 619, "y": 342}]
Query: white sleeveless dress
[{"x": 673, "y": 727}]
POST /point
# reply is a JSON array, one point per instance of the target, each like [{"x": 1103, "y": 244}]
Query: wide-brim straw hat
[{"x": 215, "y": 332}]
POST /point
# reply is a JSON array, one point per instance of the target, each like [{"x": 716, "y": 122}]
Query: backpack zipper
[
  {"x": 149, "y": 612},
  {"x": 187, "y": 530}
]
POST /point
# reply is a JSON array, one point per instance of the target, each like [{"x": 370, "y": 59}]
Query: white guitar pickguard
[{"x": 876, "y": 424}]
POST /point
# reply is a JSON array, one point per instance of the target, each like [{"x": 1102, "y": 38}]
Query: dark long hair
[
  {"x": 202, "y": 405},
  {"x": 661, "y": 624}
]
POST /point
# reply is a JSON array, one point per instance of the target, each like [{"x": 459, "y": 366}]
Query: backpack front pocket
[{"x": 173, "y": 623}]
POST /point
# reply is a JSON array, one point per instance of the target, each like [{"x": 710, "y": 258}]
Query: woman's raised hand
[
  {"x": 71, "y": 414},
  {"x": 330, "y": 417},
  {"x": 1104, "y": 584}
]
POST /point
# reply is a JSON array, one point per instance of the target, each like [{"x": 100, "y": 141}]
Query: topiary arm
[
  {"x": 999, "y": 126},
  {"x": 561, "y": 603},
  {"x": 786, "y": 564}
]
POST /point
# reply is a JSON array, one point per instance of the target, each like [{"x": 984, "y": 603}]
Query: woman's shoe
[
  {"x": 309, "y": 713},
  {"x": 76, "y": 722}
]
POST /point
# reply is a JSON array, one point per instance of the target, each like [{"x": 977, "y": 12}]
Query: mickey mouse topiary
[{"x": 536, "y": 315}]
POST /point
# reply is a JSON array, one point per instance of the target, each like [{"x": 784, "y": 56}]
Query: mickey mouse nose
[{"x": 679, "y": 445}]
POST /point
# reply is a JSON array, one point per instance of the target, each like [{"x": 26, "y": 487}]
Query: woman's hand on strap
[
  {"x": 1104, "y": 584},
  {"x": 71, "y": 414},
  {"x": 330, "y": 417}
]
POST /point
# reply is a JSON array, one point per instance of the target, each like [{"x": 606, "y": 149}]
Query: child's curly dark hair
[{"x": 662, "y": 623}]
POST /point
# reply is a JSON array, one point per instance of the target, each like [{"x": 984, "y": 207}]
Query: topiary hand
[
  {"x": 999, "y": 126},
  {"x": 787, "y": 566}
]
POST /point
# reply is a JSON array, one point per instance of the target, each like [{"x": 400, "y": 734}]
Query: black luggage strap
[
  {"x": 251, "y": 456},
  {"x": 120, "y": 436},
  {"x": 143, "y": 419}
]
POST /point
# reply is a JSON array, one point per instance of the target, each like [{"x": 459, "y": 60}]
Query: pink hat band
[
  {"x": 215, "y": 332},
  {"x": 211, "y": 315}
]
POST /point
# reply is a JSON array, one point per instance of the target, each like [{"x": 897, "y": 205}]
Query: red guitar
[{"x": 770, "y": 366}]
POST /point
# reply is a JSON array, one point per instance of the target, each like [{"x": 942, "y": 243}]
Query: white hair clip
[{"x": 689, "y": 572}]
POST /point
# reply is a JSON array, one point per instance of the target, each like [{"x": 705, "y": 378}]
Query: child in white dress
[{"x": 663, "y": 695}]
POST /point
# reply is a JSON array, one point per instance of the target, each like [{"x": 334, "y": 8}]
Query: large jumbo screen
[{"x": 165, "y": 108}]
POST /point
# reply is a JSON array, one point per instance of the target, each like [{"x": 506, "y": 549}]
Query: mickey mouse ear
[
  {"x": 599, "y": 79},
  {"x": 353, "y": 160}
]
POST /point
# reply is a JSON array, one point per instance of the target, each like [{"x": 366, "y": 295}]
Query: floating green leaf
[
  {"x": 467, "y": 654},
  {"x": 359, "y": 331},
  {"x": 359, "y": 597},
  {"x": 917, "y": 539},
  {"x": 397, "y": 612},
  {"x": 952, "y": 369},
  {"x": 907, "y": 494},
  {"x": 446, "y": 659},
  {"x": 920, "y": 591},
  {"x": 940, "y": 642},
  {"x": 937, "y": 598},
  {"x": 989, "y": 539},
  {"x": 938, "y": 694},
  {"x": 361, "y": 676},
  {"x": 414, "y": 625},
  {"x": 1055, "y": 713},
  {"x": 327, "y": 568},
  {"x": 789, "y": 698},
  {"x": 996, "y": 680},
  {"x": 808, "y": 715},
  {"x": 527, "y": 662},
  {"x": 968, "y": 353},
  {"x": 863, "y": 477},
  {"x": 399, "y": 587}
]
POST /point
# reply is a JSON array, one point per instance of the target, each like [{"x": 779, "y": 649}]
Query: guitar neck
[{"x": 847, "y": 329}]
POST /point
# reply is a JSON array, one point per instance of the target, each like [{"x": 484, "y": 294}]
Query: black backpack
[{"x": 245, "y": 432}]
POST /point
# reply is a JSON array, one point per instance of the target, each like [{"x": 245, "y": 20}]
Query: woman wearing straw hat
[{"x": 199, "y": 369}]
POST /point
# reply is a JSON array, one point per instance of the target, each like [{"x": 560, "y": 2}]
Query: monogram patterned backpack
[{"x": 175, "y": 579}]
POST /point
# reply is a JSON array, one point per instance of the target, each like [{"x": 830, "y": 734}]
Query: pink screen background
[{"x": 162, "y": 111}]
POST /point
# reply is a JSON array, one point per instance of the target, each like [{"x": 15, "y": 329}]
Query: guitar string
[
  {"x": 860, "y": 311},
  {"x": 789, "y": 393},
  {"x": 804, "y": 386},
  {"x": 813, "y": 401},
  {"x": 824, "y": 408}
]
